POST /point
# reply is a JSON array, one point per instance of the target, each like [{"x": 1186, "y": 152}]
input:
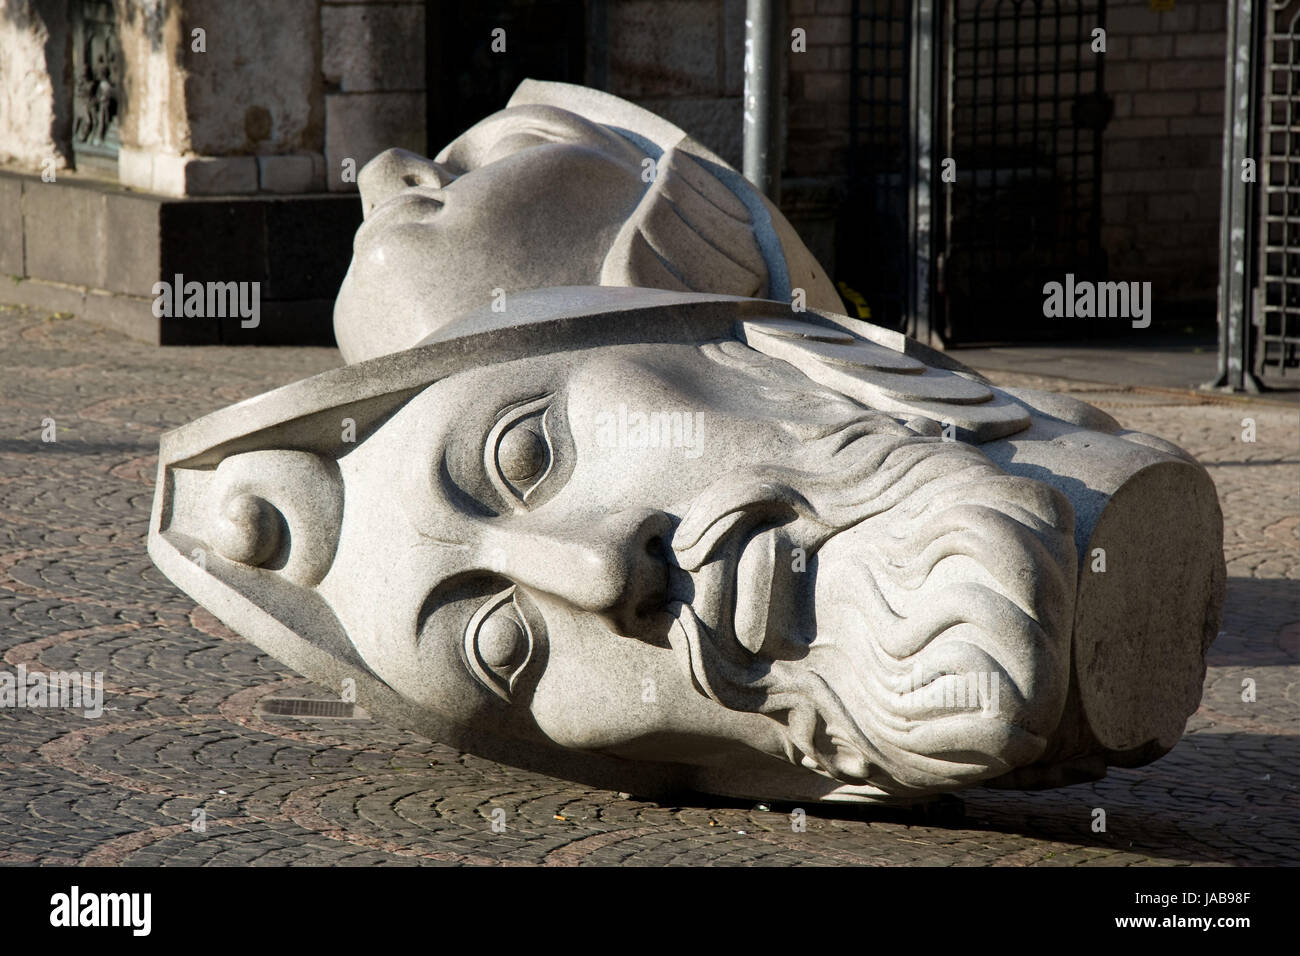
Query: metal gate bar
[
  {"x": 1236, "y": 221},
  {"x": 1278, "y": 295}
]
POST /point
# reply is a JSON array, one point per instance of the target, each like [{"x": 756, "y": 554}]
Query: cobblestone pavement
[{"x": 182, "y": 731}]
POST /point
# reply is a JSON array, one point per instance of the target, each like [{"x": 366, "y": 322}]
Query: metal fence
[
  {"x": 1024, "y": 114},
  {"x": 1008, "y": 97},
  {"x": 877, "y": 235},
  {"x": 1278, "y": 288},
  {"x": 1259, "y": 235}
]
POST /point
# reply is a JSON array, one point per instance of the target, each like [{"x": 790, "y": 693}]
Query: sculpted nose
[
  {"x": 614, "y": 566},
  {"x": 394, "y": 170}
]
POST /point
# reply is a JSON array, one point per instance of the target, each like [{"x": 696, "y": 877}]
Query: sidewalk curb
[{"x": 1198, "y": 395}]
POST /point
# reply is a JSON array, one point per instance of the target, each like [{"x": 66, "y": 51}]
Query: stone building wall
[
  {"x": 264, "y": 96},
  {"x": 35, "y": 99},
  {"x": 235, "y": 123},
  {"x": 289, "y": 97},
  {"x": 683, "y": 59},
  {"x": 372, "y": 67},
  {"x": 1164, "y": 146}
]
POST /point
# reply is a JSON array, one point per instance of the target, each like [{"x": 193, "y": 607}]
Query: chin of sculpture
[{"x": 680, "y": 536}]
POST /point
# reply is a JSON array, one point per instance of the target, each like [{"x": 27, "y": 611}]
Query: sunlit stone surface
[{"x": 593, "y": 498}]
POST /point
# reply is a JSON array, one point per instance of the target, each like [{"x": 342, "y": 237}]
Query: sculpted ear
[
  {"x": 249, "y": 507},
  {"x": 688, "y": 234}
]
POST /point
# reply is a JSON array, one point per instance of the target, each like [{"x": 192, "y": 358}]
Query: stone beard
[{"x": 930, "y": 574}]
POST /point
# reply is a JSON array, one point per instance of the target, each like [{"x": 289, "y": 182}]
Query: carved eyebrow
[
  {"x": 443, "y": 542},
  {"x": 466, "y": 585},
  {"x": 458, "y": 496},
  {"x": 512, "y": 406}
]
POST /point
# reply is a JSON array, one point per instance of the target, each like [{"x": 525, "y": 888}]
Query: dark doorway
[
  {"x": 1008, "y": 96},
  {"x": 467, "y": 80},
  {"x": 878, "y": 246},
  {"x": 1023, "y": 119}
]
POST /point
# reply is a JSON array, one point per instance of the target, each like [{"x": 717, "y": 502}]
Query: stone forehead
[
  {"x": 543, "y": 322},
  {"x": 892, "y": 373}
]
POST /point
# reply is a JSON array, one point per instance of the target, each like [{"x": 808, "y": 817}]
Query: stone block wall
[
  {"x": 291, "y": 97},
  {"x": 1164, "y": 70},
  {"x": 276, "y": 96},
  {"x": 818, "y": 109},
  {"x": 683, "y": 59},
  {"x": 220, "y": 104},
  {"x": 1164, "y": 146},
  {"x": 372, "y": 65}
]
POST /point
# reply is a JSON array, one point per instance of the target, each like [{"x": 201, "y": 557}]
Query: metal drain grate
[{"x": 306, "y": 707}]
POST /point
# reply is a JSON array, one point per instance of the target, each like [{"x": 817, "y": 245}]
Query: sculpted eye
[
  {"x": 519, "y": 454},
  {"x": 498, "y": 644}
]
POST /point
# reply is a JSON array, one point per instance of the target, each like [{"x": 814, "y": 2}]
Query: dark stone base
[{"x": 96, "y": 249}]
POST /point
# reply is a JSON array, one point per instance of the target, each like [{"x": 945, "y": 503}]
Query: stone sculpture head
[
  {"x": 656, "y": 545},
  {"x": 594, "y": 192},
  {"x": 642, "y": 527}
]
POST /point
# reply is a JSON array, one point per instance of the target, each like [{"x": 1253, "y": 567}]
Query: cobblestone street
[{"x": 183, "y": 729}]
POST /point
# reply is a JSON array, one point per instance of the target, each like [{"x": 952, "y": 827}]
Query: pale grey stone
[
  {"x": 668, "y": 538},
  {"x": 11, "y": 227},
  {"x": 619, "y": 196},
  {"x": 135, "y": 168},
  {"x": 204, "y": 175},
  {"x": 34, "y": 92},
  {"x": 256, "y": 89}
]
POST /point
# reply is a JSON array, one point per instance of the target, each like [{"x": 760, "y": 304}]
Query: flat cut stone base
[{"x": 1141, "y": 664}]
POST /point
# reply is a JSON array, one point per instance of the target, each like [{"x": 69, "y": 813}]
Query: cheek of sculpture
[
  {"x": 675, "y": 424},
  {"x": 626, "y": 689}
]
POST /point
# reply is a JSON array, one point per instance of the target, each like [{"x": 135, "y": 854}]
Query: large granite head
[
  {"x": 650, "y": 539},
  {"x": 567, "y": 186}
]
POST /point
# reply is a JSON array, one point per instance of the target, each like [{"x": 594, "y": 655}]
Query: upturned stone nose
[{"x": 394, "y": 170}]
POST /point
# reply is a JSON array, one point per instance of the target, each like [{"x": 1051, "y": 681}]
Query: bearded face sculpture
[{"x": 679, "y": 536}]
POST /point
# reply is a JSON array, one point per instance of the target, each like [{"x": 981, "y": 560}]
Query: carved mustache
[
  {"x": 855, "y": 452},
  {"x": 931, "y": 501}
]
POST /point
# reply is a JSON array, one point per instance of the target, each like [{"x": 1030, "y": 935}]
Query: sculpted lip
[
  {"x": 735, "y": 574},
  {"x": 754, "y": 586}
]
